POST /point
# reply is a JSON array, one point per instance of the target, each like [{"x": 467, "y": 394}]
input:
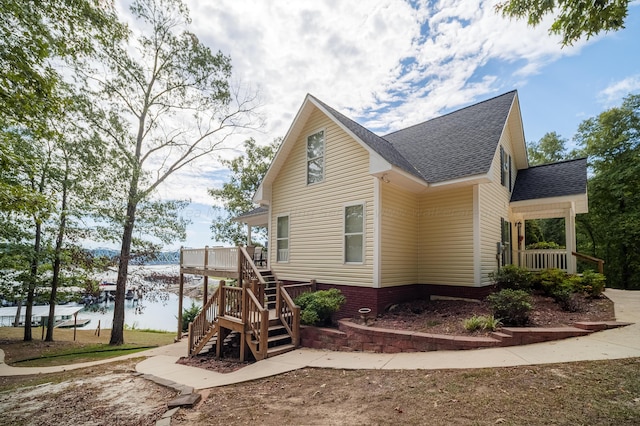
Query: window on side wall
[
  {"x": 505, "y": 169},
  {"x": 315, "y": 158},
  {"x": 354, "y": 233},
  {"x": 282, "y": 236}
]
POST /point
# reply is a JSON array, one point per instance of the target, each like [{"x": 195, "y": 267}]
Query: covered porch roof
[
  {"x": 256, "y": 217},
  {"x": 551, "y": 190}
]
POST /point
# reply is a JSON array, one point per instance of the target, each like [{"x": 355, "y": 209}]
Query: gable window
[
  {"x": 505, "y": 169},
  {"x": 315, "y": 158},
  {"x": 282, "y": 239},
  {"x": 354, "y": 233}
]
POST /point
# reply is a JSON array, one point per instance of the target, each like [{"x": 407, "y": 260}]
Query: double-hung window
[
  {"x": 315, "y": 158},
  {"x": 354, "y": 233},
  {"x": 282, "y": 239},
  {"x": 505, "y": 234}
]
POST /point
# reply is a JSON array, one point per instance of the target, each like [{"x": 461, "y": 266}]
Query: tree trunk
[
  {"x": 57, "y": 261},
  {"x": 35, "y": 259},
  {"x": 117, "y": 329}
]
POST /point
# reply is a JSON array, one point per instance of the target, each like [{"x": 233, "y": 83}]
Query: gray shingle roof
[
  {"x": 255, "y": 212},
  {"x": 551, "y": 180},
  {"x": 456, "y": 145},
  {"x": 378, "y": 144}
]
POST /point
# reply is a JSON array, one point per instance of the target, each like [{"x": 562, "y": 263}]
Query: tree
[
  {"x": 236, "y": 195},
  {"x": 549, "y": 149},
  {"x": 165, "y": 102},
  {"x": 612, "y": 141},
  {"x": 573, "y": 19}
]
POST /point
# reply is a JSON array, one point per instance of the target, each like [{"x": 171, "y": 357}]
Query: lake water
[{"x": 147, "y": 314}]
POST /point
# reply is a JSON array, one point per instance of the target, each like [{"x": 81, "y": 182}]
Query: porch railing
[
  {"x": 289, "y": 313},
  {"x": 222, "y": 258},
  {"x": 537, "y": 260}
]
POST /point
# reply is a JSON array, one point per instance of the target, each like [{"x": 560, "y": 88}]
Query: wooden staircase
[{"x": 260, "y": 311}]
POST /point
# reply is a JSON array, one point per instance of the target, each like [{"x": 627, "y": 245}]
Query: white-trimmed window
[
  {"x": 505, "y": 169},
  {"x": 282, "y": 236},
  {"x": 354, "y": 233},
  {"x": 315, "y": 158}
]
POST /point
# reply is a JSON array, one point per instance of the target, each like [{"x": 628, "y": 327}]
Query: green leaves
[
  {"x": 247, "y": 171},
  {"x": 573, "y": 19}
]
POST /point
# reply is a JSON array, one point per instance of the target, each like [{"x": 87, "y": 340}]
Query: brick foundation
[{"x": 379, "y": 299}]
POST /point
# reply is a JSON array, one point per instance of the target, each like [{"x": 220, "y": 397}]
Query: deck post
[
  {"x": 205, "y": 290},
  {"x": 278, "y": 299},
  {"x": 180, "y": 296},
  {"x": 240, "y": 256},
  {"x": 221, "y": 305}
]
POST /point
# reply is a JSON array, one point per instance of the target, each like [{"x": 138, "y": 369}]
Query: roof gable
[{"x": 456, "y": 145}]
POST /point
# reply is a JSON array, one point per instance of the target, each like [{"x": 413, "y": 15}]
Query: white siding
[
  {"x": 317, "y": 211},
  {"x": 399, "y": 236},
  {"x": 445, "y": 242}
]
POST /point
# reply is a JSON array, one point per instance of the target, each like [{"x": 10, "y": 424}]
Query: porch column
[
  {"x": 248, "y": 235},
  {"x": 570, "y": 235}
]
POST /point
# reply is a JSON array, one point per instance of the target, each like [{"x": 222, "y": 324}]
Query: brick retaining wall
[{"x": 351, "y": 337}]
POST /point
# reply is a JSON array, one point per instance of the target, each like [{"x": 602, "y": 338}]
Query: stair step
[{"x": 277, "y": 350}]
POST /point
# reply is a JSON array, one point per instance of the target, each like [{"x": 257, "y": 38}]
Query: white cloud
[
  {"x": 383, "y": 62},
  {"x": 613, "y": 94}
]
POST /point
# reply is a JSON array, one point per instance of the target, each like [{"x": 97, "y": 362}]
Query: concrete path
[{"x": 610, "y": 344}]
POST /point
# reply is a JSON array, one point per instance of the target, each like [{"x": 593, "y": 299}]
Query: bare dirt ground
[{"x": 104, "y": 395}]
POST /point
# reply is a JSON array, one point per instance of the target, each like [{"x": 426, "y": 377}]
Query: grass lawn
[{"x": 64, "y": 350}]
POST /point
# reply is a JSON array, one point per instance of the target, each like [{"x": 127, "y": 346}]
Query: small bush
[
  {"x": 592, "y": 283},
  {"x": 188, "y": 315},
  {"x": 513, "y": 277},
  {"x": 511, "y": 306},
  {"x": 317, "y": 307},
  {"x": 550, "y": 281},
  {"x": 566, "y": 298},
  {"x": 482, "y": 323},
  {"x": 544, "y": 245}
]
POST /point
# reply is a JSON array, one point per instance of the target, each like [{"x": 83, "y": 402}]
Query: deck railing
[
  {"x": 248, "y": 272},
  {"x": 231, "y": 302},
  {"x": 219, "y": 258},
  {"x": 257, "y": 322},
  {"x": 537, "y": 260},
  {"x": 201, "y": 327},
  {"x": 289, "y": 313}
]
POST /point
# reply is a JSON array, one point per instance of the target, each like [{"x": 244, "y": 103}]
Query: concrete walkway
[{"x": 610, "y": 344}]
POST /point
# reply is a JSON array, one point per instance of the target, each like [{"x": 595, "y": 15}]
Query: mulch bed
[{"x": 447, "y": 316}]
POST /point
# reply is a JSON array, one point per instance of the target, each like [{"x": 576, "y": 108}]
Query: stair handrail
[
  {"x": 257, "y": 321},
  {"x": 201, "y": 324},
  {"x": 247, "y": 269},
  {"x": 288, "y": 312},
  {"x": 586, "y": 257}
]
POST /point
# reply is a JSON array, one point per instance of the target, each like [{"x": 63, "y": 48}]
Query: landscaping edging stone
[{"x": 351, "y": 337}]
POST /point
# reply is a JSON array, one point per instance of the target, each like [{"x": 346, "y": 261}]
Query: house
[{"x": 432, "y": 209}]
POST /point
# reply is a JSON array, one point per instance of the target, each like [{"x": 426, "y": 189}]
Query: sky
[{"x": 389, "y": 64}]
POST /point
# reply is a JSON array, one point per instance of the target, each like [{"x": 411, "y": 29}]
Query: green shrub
[
  {"x": 511, "y": 306},
  {"x": 592, "y": 283},
  {"x": 188, "y": 315},
  {"x": 482, "y": 323},
  {"x": 566, "y": 297},
  {"x": 513, "y": 277},
  {"x": 544, "y": 245},
  {"x": 550, "y": 280},
  {"x": 317, "y": 307}
]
